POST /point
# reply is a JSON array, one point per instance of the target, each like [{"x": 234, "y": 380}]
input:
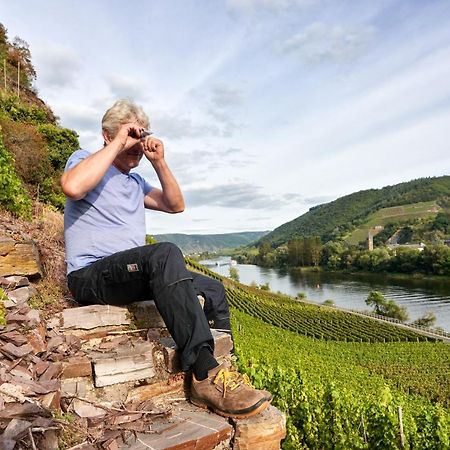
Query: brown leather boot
[{"x": 229, "y": 394}]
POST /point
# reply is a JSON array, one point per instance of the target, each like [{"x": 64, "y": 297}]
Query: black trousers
[{"x": 157, "y": 272}]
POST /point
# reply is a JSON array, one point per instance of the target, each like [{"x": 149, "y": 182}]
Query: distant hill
[
  {"x": 198, "y": 243},
  {"x": 340, "y": 217}
]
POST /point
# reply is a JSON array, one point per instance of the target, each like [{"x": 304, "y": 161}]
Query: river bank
[
  {"x": 390, "y": 275},
  {"x": 350, "y": 290}
]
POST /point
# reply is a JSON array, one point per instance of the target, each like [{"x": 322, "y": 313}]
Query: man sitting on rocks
[{"x": 108, "y": 263}]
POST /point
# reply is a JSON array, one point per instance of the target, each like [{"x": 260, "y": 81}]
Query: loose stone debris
[{"x": 91, "y": 378}]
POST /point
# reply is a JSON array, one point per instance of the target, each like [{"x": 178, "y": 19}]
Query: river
[{"x": 349, "y": 290}]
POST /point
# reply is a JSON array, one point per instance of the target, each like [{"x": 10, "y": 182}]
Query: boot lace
[{"x": 230, "y": 380}]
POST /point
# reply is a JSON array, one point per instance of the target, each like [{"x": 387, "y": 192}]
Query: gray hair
[{"x": 121, "y": 112}]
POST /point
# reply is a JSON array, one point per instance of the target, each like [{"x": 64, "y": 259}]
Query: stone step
[
  {"x": 189, "y": 428},
  {"x": 131, "y": 362},
  {"x": 193, "y": 428},
  {"x": 223, "y": 345},
  {"x": 263, "y": 431},
  {"x": 94, "y": 320},
  {"x": 125, "y": 368}
]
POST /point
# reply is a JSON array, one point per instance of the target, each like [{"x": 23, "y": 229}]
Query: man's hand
[
  {"x": 153, "y": 149},
  {"x": 127, "y": 136}
]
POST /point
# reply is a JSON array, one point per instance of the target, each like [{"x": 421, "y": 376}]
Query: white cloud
[
  {"x": 123, "y": 86},
  {"x": 238, "y": 195},
  {"x": 319, "y": 42},
  {"x": 178, "y": 126},
  {"x": 269, "y": 4},
  {"x": 225, "y": 96},
  {"x": 58, "y": 66}
]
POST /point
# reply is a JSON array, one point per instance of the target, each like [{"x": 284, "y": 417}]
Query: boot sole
[{"x": 233, "y": 415}]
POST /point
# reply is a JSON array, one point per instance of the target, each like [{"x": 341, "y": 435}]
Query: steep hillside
[
  {"x": 198, "y": 243},
  {"x": 397, "y": 215},
  {"x": 33, "y": 147},
  {"x": 340, "y": 217}
]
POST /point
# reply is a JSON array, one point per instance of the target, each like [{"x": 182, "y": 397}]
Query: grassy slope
[{"x": 393, "y": 214}]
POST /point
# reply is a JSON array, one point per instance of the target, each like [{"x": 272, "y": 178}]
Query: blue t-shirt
[{"x": 109, "y": 219}]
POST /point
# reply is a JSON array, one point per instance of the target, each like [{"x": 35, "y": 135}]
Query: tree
[
  {"x": 427, "y": 320},
  {"x": 386, "y": 307},
  {"x": 436, "y": 259},
  {"x": 263, "y": 251},
  {"x": 315, "y": 250},
  {"x": 19, "y": 52},
  {"x": 234, "y": 273}
]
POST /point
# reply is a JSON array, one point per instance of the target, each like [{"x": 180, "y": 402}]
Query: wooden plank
[{"x": 94, "y": 316}]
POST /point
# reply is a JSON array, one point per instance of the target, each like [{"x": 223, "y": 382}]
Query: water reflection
[{"x": 351, "y": 290}]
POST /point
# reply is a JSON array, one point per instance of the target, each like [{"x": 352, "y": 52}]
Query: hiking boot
[{"x": 229, "y": 394}]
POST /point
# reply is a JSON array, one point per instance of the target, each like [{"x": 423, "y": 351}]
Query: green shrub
[
  {"x": 11, "y": 107},
  {"x": 13, "y": 196},
  {"x": 61, "y": 143},
  {"x": 29, "y": 150},
  {"x": 234, "y": 273}
]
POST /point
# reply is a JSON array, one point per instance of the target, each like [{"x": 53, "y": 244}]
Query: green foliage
[
  {"x": 436, "y": 259},
  {"x": 40, "y": 149},
  {"x": 13, "y": 196},
  {"x": 234, "y": 273},
  {"x": 11, "y": 106},
  {"x": 61, "y": 143},
  {"x": 314, "y": 320},
  {"x": 333, "y": 401},
  {"x": 3, "y": 297},
  {"x": 329, "y": 302},
  {"x": 304, "y": 251},
  {"x": 335, "y": 219},
  {"x": 15, "y": 53},
  {"x": 336, "y": 394},
  {"x": 442, "y": 222},
  {"x": 433, "y": 260},
  {"x": 427, "y": 320},
  {"x": 150, "y": 239},
  {"x": 385, "y": 307}
]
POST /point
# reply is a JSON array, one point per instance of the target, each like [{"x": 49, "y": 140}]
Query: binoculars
[{"x": 142, "y": 133}]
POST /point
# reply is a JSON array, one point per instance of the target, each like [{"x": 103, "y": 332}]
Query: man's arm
[
  {"x": 169, "y": 198},
  {"x": 79, "y": 180}
]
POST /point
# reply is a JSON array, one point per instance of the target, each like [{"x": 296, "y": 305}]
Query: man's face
[{"x": 129, "y": 159}]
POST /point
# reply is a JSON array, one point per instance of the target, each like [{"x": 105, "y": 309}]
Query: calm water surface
[{"x": 350, "y": 291}]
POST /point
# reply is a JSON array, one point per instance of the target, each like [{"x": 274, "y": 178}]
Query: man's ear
[{"x": 106, "y": 136}]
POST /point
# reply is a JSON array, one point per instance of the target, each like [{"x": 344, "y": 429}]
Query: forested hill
[
  {"x": 333, "y": 220},
  {"x": 197, "y": 243}
]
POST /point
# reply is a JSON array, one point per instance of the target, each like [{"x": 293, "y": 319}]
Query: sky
[{"x": 265, "y": 107}]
